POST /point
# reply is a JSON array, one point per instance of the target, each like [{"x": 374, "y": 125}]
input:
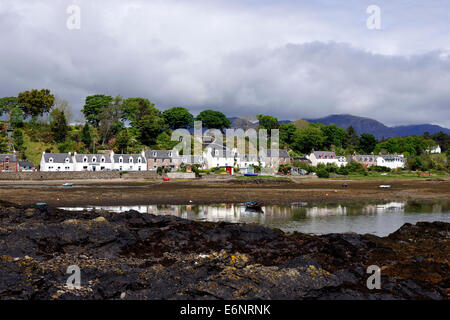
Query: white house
[
  {"x": 391, "y": 161},
  {"x": 436, "y": 149},
  {"x": 56, "y": 162},
  {"x": 129, "y": 162},
  {"x": 92, "y": 162},
  {"x": 325, "y": 157},
  {"x": 216, "y": 155}
]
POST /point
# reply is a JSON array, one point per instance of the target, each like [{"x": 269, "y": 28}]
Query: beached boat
[
  {"x": 255, "y": 205},
  {"x": 250, "y": 174},
  {"x": 67, "y": 185}
]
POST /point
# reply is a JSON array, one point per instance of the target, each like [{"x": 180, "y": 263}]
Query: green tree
[
  {"x": 18, "y": 139},
  {"x": 86, "y": 135},
  {"x": 8, "y": 104},
  {"x": 58, "y": 125},
  {"x": 287, "y": 131},
  {"x": 122, "y": 141},
  {"x": 267, "y": 122},
  {"x": 109, "y": 120},
  {"x": 308, "y": 139},
  {"x": 334, "y": 136},
  {"x": 16, "y": 118},
  {"x": 35, "y": 103},
  {"x": 213, "y": 119},
  {"x": 93, "y": 106},
  {"x": 367, "y": 143},
  {"x": 3, "y": 143},
  {"x": 148, "y": 129},
  {"x": 352, "y": 138},
  {"x": 134, "y": 109},
  {"x": 178, "y": 117},
  {"x": 164, "y": 142}
]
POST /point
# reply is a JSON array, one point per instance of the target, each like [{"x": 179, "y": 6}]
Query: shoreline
[
  {"x": 226, "y": 191},
  {"x": 134, "y": 256}
]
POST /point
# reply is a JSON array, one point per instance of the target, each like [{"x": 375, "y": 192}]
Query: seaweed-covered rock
[{"x": 131, "y": 255}]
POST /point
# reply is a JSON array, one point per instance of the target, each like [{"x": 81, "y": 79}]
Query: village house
[
  {"x": 26, "y": 166},
  {"x": 326, "y": 157},
  {"x": 129, "y": 162},
  {"x": 92, "y": 162},
  {"x": 367, "y": 160},
  {"x": 162, "y": 158},
  {"x": 56, "y": 162},
  {"x": 391, "y": 161},
  {"x": 216, "y": 155},
  {"x": 272, "y": 159},
  {"x": 435, "y": 150},
  {"x": 9, "y": 163}
]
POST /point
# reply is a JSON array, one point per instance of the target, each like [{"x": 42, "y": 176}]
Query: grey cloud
[{"x": 214, "y": 55}]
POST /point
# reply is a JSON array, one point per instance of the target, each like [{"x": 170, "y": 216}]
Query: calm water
[{"x": 379, "y": 219}]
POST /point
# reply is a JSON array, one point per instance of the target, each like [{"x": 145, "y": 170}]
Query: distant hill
[
  {"x": 361, "y": 125},
  {"x": 418, "y": 130},
  {"x": 379, "y": 130}
]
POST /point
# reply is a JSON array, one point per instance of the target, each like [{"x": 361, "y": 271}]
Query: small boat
[
  {"x": 384, "y": 186},
  {"x": 41, "y": 204},
  {"x": 255, "y": 205},
  {"x": 250, "y": 174},
  {"x": 67, "y": 185}
]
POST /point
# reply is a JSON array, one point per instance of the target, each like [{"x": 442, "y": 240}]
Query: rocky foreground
[{"x": 141, "y": 256}]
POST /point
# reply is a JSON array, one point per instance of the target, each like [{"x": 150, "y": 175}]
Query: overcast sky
[{"x": 292, "y": 59}]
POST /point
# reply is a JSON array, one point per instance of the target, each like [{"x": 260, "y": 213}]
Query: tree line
[{"x": 130, "y": 124}]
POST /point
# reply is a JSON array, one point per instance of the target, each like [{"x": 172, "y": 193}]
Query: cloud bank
[{"x": 291, "y": 59}]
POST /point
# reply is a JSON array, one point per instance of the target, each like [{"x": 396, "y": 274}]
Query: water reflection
[{"x": 380, "y": 219}]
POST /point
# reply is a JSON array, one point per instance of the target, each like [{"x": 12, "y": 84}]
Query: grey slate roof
[
  {"x": 12, "y": 157},
  {"x": 325, "y": 154},
  {"x": 281, "y": 153},
  {"x": 223, "y": 150},
  {"x": 80, "y": 158},
  {"x": 57, "y": 157},
  {"x": 126, "y": 158},
  {"x": 160, "y": 154},
  {"x": 24, "y": 164}
]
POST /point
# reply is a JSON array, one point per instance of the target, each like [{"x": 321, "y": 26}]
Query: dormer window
[
  {"x": 130, "y": 160},
  {"x": 94, "y": 159},
  {"x": 103, "y": 160},
  {"x": 139, "y": 160},
  {"x": 120, "y": 160},
  {"x": 50, "y": 160},
  {"x": 85, "y": 159},
  {"x": 154, "y": 154},
  {"x": 67, "y": 160},
  {"x": 170, "y": 153}
]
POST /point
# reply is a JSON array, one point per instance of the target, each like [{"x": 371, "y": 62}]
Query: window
[
  {"x": 130, "y": 160},
  {"x": 120, "y": 168},
  {"x": 103, "y": 159},
  {"x": 85, "y": 168},
  {"x": 139, "y": 160},
  {"x": 50, "y": 160},
  {"x": 67, "y": 160},
  {"x": 85, "y": 159},
  {"x": 170, "y": 153},
  {"x": 94, "y": 159},
  {"x": 120, "y": 161},
  {"x": 216, "y": 152},
  {"x": 154, "y": 154}
]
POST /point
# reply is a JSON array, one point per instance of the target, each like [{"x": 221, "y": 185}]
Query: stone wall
[
  {"x": 181, "y": 175},
  {"x": 76, "y": 175}
]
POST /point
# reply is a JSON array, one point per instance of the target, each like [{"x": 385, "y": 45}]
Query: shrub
[{"x": 323, "y": 173}]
